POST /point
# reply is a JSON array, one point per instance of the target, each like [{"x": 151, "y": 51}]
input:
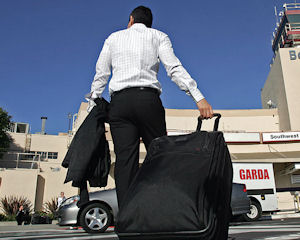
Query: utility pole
[{"x": 69, "y": 117}]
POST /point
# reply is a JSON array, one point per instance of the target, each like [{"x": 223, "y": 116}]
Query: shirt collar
[{"x": 138, "y": 25}]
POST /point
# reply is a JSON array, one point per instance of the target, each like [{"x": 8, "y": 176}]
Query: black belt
[{"x": 145, "y": 89}]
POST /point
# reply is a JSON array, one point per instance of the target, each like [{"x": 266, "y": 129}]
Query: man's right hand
[{"x": 205, "y": 109}]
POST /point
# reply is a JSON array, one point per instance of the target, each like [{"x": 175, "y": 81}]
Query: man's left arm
[{"x": 181, "y": 77}]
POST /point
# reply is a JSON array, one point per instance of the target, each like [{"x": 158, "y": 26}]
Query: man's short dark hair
[{"x": 143, "y": 15}]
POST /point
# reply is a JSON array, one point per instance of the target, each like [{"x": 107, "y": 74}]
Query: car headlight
[{"x": 70, "y": 200}]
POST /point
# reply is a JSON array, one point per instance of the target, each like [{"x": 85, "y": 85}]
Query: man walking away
[{"x": 136, "y": 110}]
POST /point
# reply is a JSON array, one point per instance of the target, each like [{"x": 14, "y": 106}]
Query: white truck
[{"x": 260, "y": 184}]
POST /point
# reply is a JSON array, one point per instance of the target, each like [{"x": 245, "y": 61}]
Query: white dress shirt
[
  {"x": 134, "y": 55},
  {"x": 60, "y": 200}
]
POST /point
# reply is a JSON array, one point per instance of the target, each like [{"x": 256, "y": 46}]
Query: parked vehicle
[
  {"x": 260, "y": 184},
  {"x": 240, "y": 203},
  {"x": 101, "y": 211},
  {"x": 95, "y": 216}
]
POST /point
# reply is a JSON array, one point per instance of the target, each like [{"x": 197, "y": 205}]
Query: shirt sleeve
[
  {"x": 176, "y": 71},
  {"x": 103, "y": 71}
]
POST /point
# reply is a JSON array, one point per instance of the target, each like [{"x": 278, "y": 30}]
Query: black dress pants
[{"x": 134, "y": 113}]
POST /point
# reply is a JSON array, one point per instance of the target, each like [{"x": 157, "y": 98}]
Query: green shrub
[
  {"x": 41, "y": 213},
  {"x": 52, "y": 216},
  {"x": 4, "y": 218},
  {"x": 50, "y": 208},
  {"x": 10, "y": 205},
  {"x": 10, "y": 218},
  {"x": 44, "y": 214}
]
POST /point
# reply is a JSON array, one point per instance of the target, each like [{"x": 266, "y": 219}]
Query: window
[
  {"x": 21, "y": 128},
  {"x": 43, "y": 155},
  {"x": 52, "y": 155},
  {"x": 18, "y": 127},
  {"x": 27, "y": 156}
]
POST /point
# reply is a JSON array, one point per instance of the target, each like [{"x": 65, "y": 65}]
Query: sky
[{"x": 49, "y": 48}]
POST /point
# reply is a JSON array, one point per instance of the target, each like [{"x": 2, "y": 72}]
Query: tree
[{"x": 4, "y": 138}]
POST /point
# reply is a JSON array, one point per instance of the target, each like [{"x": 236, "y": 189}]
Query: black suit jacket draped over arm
[{"x": 88, "y": 157}]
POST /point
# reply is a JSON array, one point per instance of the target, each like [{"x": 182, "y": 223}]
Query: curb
[
  {"x": 8, "y": 223},
  {"x": 266, "y": 217},
  {"x": 281, "y": 216},
  {"x": 14, "y": 223}
]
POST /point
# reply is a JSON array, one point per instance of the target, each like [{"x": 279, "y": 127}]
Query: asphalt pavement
[{"x": 279, "y": 229}]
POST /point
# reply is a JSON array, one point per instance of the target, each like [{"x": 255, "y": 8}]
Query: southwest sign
[{"x": 281, "y": 137}]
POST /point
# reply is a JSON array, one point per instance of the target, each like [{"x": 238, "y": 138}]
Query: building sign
[
  {"x": 229, "y": 137},
  {"x": 242, "y": 137},
  {"x": 253, "y": 174},
  {"x": 281, "y": 137},
  {"x": 294, "y": 55}
]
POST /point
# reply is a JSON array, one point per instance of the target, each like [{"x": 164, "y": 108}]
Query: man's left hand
[{"x": 205, "y": 109}]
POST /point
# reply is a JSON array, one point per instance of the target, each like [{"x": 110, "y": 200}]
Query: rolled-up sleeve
[
  {"x": 176, "y": 71},
  {"x": 103, "y": 71}
]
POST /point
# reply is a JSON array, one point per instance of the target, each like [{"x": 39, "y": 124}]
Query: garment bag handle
[{"x": 216, "y": 125}]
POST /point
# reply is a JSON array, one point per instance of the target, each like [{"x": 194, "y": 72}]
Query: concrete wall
[
  {"x": 81, "y": 115},
  {"x": 274, "y": 90},
  {"x": 54, "y": 184},
  {"x": 18, "y": 143},
  {"x": 39, "y": 194},
  {"x": 286, "y": 200},
  {"x": 38, "y": 187},
  {"x": 48, "y": 179},
  {"x": 20, "y": 182},
  {"x": 255, "y": 120},
  {"x": 291, "y": 76},
  {"x": 250, "y": 120},
  {"x": 283, "y": 181},
  {"x": 50, "y": 143},
  {"x": 282, "y": 87}
]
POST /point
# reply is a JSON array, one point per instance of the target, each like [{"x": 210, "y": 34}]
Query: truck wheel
[
  {"x": 95, "y": 218},
  {"x": 255, "y": 212}
]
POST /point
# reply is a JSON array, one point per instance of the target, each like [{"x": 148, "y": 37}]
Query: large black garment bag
[{"x": 182, "y": 190}]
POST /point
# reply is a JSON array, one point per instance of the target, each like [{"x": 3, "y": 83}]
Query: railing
[
  {"x": 292, "y": 27},
  {"x": 289, "y": 35},
  {"x": 291, "y": 6},
  {"x": 20, "y": 160},
  {"x": 279, "y": 41}
]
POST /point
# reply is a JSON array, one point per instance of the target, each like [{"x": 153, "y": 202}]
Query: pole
[{"x": 69, "y": 117}]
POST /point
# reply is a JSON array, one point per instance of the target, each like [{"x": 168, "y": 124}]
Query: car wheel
[
  {"x": 95, "y": 218},
  {"x": 255, "y": 212}
]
